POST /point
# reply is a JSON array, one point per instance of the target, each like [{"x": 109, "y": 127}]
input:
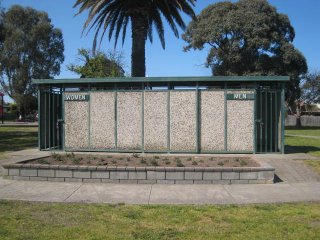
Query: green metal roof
[{"x": 164, "y": 79}]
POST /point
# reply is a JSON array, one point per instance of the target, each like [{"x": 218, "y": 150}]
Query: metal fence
[{"x": 306, "y": 121}]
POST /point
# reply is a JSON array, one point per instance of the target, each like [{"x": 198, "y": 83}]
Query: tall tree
[
  {"x": 248, "y": 37},
  {"x": 311, "y": 88},
  {"x": 114, "y": 15},
  {"x": 31, "y": 48},
  {"x": 98, "y": 65}
]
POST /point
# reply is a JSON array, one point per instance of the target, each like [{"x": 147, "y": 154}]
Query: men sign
[{"x": 240, "y": 96}]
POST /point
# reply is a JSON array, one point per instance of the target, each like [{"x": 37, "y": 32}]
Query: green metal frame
[
  {"x": 39, "y": 120},
  {"x": 50, "y": 98},
  {"x": 164, "y": 79},
  {"x": 282, "y": 117}
]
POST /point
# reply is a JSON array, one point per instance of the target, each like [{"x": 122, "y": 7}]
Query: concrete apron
[{"x": 159, "y": 193}]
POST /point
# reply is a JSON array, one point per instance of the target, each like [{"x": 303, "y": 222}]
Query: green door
[{"x": 268, "y": 120}]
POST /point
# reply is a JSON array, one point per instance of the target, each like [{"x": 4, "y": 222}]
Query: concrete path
[
  {"x": 299, "y": 183},
  {"x": 158, "y": 193},
  {"x": 290, "y": 168}
]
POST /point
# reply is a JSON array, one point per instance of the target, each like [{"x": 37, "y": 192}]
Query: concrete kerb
[{"x": 174, "y": 175}]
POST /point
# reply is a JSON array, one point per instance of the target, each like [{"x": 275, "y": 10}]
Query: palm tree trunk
[{"x": 138, "y": 54}]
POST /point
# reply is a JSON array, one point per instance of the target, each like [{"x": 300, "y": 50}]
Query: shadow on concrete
[{"x": 277, "y": 179}]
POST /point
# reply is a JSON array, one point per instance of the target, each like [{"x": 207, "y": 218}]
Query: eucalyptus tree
[
  {"x": 113, "y": 16},
  {"x": 30, "y": 47},
  {"x": 248, "y": 37}
]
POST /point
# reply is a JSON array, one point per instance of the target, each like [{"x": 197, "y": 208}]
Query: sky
[{"x": 303, "y": 14}]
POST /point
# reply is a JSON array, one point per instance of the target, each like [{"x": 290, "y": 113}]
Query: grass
[
  {"x": 25, "y": 220},
  {"x": 315, "y": 164},
  {"x": 303, "y": 145},
  {"x": 17, "y": 138},
  {"x": 308, "y": 131}
]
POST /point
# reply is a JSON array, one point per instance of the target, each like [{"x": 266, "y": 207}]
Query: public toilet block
[{"x": 220, "y": 114}]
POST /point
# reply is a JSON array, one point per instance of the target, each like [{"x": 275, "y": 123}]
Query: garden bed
[
  {"x": 136, "y": 160},
  {"x": 147, "y": 169}
]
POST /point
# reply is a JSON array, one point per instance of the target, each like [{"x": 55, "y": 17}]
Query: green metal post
[
  {"x": 261, "y": 122},
  {"x": 168, "y": 118},
  {"x": 63, "y": 119},
  {"x": 225, "y": 118},
  {"x": 254, "y": 121},
  {"x": 142, "y": 120},
  {"x": 277, "y": 122},
  {"x": 197, "y": 119},
  {"x": 282, "y": 117},
  {"x": 115, "y": 117},
  {"x": 271, "y": 120},
  {"x": 89, "y": 120},
  {"x": 39, "y": 122},
  {"x": 266, "y": 121}
]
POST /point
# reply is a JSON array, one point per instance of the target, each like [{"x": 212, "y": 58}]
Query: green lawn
[
  {"x": 315, "y": 164},
  {"x": 309, "y": 131},
  {"x": 301, "y": 144},
  {"x": 17, "y": 138},
  {"x": 24, "y": 220}
]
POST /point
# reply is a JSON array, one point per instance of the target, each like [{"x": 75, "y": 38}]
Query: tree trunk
[{"x": 138, "y": 54}]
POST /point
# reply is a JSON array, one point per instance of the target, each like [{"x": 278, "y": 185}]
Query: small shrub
[
  {"x": 194, "y": 162},
  {"x": 109, "y": 156},
  {"x": 202, "y": 161},
  {"x": 54, "y": 155},
  {"x": 59, "y": 158},
  {"x": 135, "y": 155},
  {"x": 76, "y": 160},
  {"x": 167, "y": 162},
  {"x": 154, "y": 162},
  {"x": 114, "y": 161},
  {"x": 128, "y": 159},
  {"x": 156, "y": 157},
  {"x": 179, "y": 163},
  {"x": 220, "y": 163},
  {"x": 142, "y": 161},
  {"x": 88, "y": 162},
  {"x": 243, "y": 162},
  {"x": 189, "y": 159},
  {"x": 43, "y": 161}
]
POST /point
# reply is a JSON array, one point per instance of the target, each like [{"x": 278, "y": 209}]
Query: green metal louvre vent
[{"x": 170, "y": 115}]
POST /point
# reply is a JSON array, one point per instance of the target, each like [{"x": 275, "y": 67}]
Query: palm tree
[{"x": 114, "y": 15}]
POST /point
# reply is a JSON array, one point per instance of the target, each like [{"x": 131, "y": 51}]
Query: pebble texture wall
[
  {"x": 76, "y": 125},
  {"x": 127, "y": 133},
  {"x": 129, "y": 117},
  {"x": 212, "y": 120},
  {"x": 102, "y": 120},
  {"x": 240, "y": 124},
  {"x": 183, "y": 121},
  {"x": 155, "y": 121}
]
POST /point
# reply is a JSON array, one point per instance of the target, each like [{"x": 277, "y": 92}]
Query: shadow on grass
[
  {"x": 15, "y": 139},
  {"x": 301, "y": 128},
  {"x": 300, "y": 149}
]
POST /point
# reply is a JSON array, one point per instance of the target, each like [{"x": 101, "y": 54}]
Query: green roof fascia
[{"x": 164, "y": 79}]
